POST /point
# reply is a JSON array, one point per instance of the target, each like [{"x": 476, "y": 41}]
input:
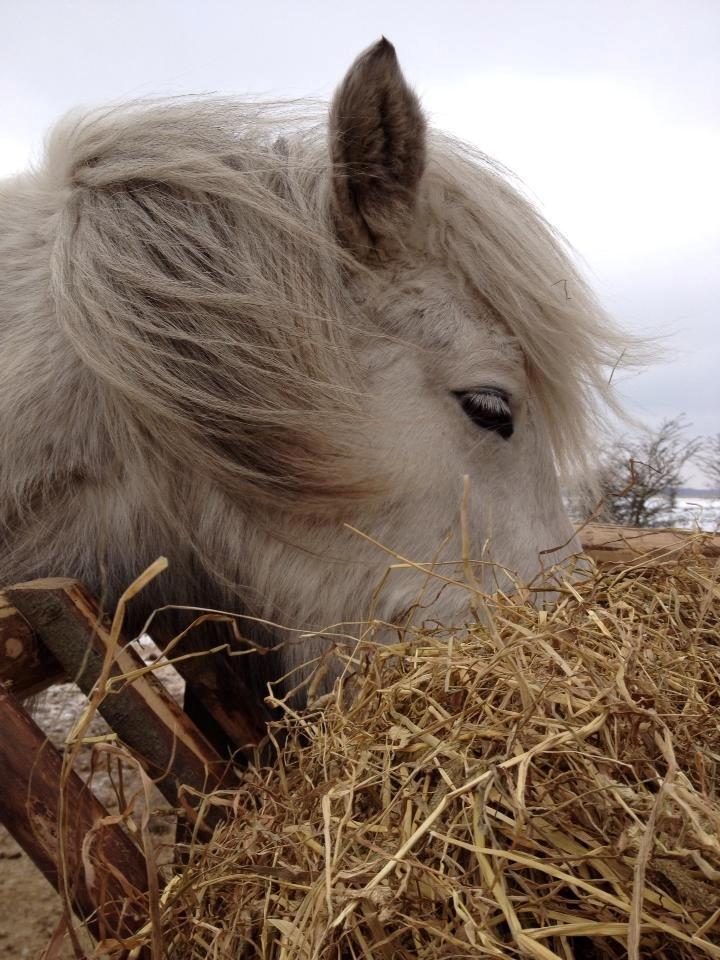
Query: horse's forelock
[{"x": 197, "y": 273}]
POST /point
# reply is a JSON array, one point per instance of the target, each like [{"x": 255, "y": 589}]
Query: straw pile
[{"x": 546, "y": 785}]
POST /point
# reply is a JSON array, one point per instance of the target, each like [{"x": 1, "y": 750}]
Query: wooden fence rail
[
  {"x": 52, "y": 630},
  {"x": 106, "y": 879},
  {"x": 142, "y": 713},
  {"x": 607, "y": 543}
]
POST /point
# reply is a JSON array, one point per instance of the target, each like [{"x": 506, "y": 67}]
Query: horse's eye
[{"x": 489, "y": 408}]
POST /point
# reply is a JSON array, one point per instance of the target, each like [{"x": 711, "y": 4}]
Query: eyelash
[{"x": 489, "y": 409}]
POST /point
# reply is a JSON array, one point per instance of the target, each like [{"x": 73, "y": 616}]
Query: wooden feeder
[{"x": 52, "y": 631}]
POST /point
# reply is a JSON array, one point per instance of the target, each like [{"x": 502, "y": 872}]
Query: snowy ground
[{"x": 696, "y": 513}]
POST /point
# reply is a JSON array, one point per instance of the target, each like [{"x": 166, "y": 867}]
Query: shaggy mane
[{"x": 196, "y": 271}]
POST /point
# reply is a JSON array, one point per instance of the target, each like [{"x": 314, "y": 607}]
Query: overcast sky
[{"x": 608, "y": 111}]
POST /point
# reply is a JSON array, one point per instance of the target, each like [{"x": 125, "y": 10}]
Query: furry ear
[{"x": 377, "y": 143}]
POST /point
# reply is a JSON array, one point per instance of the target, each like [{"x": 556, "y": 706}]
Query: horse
[{"x": 291, "y": 353}]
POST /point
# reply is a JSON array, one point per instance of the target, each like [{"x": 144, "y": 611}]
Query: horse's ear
[{"x": 377, "y": 143}]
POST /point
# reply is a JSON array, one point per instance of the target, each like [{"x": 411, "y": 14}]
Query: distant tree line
[{"x": 638, "y": 474}]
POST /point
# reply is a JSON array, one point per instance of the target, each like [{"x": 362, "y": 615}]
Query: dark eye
[{"x": 489, "y": 408}]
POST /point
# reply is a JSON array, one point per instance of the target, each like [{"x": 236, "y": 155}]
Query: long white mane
[{"x": 196, "y": 271}]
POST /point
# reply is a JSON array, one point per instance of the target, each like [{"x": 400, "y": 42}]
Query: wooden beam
[
  {"x": 140, "y": 710},
  {"x": 26, "y": 666},
  {"x": 105, "y": 872},
  {"x": 607, "y": 543},
  {"x": 241, "y": 720}
]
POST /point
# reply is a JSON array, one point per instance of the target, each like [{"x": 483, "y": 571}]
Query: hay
[{"x": 546, "y": 785}]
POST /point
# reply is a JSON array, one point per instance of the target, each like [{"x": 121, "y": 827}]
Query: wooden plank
[
  {"x": 241, "y": 721},
  {"x": 26, "y": 666},
  {"x": 142, "y": 713},
  {"x": 242, "y": 728},
  {"x": 108, "y": 881},
  {"x": 607, "y": 543}
]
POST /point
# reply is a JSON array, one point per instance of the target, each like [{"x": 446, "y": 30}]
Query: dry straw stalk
[{"x": 544, "y": 784}]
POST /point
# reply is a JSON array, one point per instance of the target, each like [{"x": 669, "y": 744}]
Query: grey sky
[{"x": 609, "y": 112}]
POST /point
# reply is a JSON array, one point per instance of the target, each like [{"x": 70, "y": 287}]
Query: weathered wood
[
  {"x": 142, "y": 713},
  {"x": 606, "y": 542},
  {"x": 242, "y": 723},
  {"x": 108, "y": 881},
  {"x": 26, "y": 666}
]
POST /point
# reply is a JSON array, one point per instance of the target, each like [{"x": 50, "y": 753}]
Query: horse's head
[
  {"x": 480, "y": 348},
  {"x": 228, "y": 347}
]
